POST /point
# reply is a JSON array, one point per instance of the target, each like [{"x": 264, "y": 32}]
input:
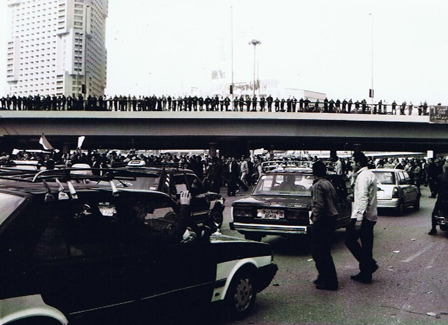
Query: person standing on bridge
[
  {"x": 324, "y": 213},
  {"x": 365, "y": 213}
]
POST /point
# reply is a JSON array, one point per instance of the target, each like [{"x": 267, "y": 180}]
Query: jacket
[{"x": 365, "y": 204}]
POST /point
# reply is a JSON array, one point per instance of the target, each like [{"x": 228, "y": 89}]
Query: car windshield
[
  {"x": 385, "y": 177},
  {"x": 8, "y": 204},
  {"x": 294, "y": 184},
  {"x": 139, "y": 183}
]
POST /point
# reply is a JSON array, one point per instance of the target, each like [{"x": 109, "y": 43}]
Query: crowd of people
[
  {"x": 235, "y": 173},
  {"x": 241, "y": 103}
]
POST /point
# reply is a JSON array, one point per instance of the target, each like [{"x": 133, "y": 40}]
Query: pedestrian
[
  {"x": 365, "y": 213},
  {"x": 441, "y": 188},
  {"x": 324, "y": 213}
]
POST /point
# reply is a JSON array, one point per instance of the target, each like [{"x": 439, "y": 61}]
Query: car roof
[
  {"x": 387, "y": 170},
  {"x": 156, "y": 170},
  {"x": 26, "y": 182}
]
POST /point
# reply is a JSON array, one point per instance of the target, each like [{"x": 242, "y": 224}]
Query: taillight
[
  {"x": 242, "y": 213},
  {"x": 395, "y": 193},
  {"x": 297, "y": 215}
]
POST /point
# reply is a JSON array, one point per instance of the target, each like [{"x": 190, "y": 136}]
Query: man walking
[
  {"x": 324, "y": 214},
  {"x": 364, "y": 212}
]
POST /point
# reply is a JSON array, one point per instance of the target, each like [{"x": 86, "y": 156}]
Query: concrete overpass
[{"x": 233, "y": 133}]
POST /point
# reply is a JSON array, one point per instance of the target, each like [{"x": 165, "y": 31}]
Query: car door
[
  {"x": 409, "y": 190},
  {"x": 80, "y": 262},
  {"x": 172, "y": 272},
  {"x": 199, "y": 201},
  {"x": 345, "y": 206}
]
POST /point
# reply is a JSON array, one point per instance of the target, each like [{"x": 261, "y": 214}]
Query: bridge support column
[
  {"x": 333, "y": 154},
  {"x": 212, "y": 147}
]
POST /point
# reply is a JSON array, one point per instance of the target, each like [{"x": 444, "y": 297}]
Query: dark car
[
  {"x": 70, "y": 249},
  {"x": 173, "y": 180},
  {"x": 280, "y": 204}
]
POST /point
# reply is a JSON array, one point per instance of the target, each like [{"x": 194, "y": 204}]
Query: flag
[
  {"x": 80, "y": 141},
  {"x": 44, "y": 142}
]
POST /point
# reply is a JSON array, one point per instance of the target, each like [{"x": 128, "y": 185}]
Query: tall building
[{"x": 57, "y": 47}]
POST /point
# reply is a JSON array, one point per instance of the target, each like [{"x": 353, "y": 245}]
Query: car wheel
[
  {"x": 255, "y": 237},
  {"x": 241, "y": 295},
  {"x": 400, "y": 208}
]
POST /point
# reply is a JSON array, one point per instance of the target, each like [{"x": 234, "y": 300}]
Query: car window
[
  {"x": 87, "y": 227},
  {"x": 406, "y": 178},
  {"x": 385, "y": 177},
  {"x": 194, "y": 184},
  {"x": 140, "y": 182},
  {"x": 284, "y": 184},
  {"x": 180, "y": 183},
  {"x": 8, "y": 204},
  {"x": 78, "y": 228}
]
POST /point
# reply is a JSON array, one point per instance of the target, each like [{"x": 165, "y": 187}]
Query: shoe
[
  {"x": 327, "y": 287},
  {"x": 363, "y": 278},
  {"x": 374, "y": 268},
  {"x": 432, "y": 232}
]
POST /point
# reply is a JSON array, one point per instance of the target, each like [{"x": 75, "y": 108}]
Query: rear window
[
  {"x": 8, "y": 204},
  {"x": 385, "y": 177},
  {"x": 284, "y": 184}
]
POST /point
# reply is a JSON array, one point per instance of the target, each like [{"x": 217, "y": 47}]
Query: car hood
[{"x": 275, "y": 201}]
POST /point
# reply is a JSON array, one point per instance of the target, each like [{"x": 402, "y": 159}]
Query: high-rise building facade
[{"x": 57, "y": 47}]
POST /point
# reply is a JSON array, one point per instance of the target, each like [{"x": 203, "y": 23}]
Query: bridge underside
[{"x": 231, "y": 133}]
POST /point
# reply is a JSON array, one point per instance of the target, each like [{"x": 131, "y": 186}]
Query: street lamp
[
  {"x": 372, "y": 94},
  {"x": 254, "y": 42}
]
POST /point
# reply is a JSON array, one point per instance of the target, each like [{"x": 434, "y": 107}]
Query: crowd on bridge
[
  {"x": 242, "y": 103},
  {"x": 218, "y": 172}
]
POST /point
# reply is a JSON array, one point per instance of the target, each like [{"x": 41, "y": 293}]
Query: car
[
  {"x": 280, "y": 204},
  {"x": 172, "y": 180},
  {"x": 395, "y": 190},
  {"x": 73, "y": 250}
]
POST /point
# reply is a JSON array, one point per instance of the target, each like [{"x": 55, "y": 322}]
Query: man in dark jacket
[
  {"x": 324, "y": 215},
  {"x": 442, "y": 200}
]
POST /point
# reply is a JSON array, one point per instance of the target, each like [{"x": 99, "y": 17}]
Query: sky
[{"x": 335, "y": 47}]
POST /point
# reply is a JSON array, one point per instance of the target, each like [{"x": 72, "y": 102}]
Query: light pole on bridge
[{"x": 254, "y": 42}]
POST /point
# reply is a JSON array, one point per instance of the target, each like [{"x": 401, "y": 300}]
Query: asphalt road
[{"x": 410, "y": 287}]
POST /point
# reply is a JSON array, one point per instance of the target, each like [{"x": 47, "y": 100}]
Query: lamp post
[
  {"x": 149, "y": 81},
  {"x": 254, "y": 42},
  {"x": 372, "y": 94}
]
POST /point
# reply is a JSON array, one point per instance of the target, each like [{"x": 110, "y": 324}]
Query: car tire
[
  {"x": 254, "y": 237},
  {"x": 241, "y": 294}
]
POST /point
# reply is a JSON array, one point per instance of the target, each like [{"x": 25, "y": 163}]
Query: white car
[{"x": 395, "y": 190}]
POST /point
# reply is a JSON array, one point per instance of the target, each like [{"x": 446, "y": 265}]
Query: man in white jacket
[{"x": 364, "y": 212}]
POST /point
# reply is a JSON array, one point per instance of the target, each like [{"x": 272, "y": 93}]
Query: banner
[{"x": 44, "y": 142}]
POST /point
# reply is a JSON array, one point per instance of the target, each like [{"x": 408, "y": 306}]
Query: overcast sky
[{"x": 168, "y": 46}]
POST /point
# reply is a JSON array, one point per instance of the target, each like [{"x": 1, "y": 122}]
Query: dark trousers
[
  {"x": 440, "y": 205},
  {"x": 363, "y": 250},
  {"x": 321, "y": 238},
  {"x": 231, "y": 189}
]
